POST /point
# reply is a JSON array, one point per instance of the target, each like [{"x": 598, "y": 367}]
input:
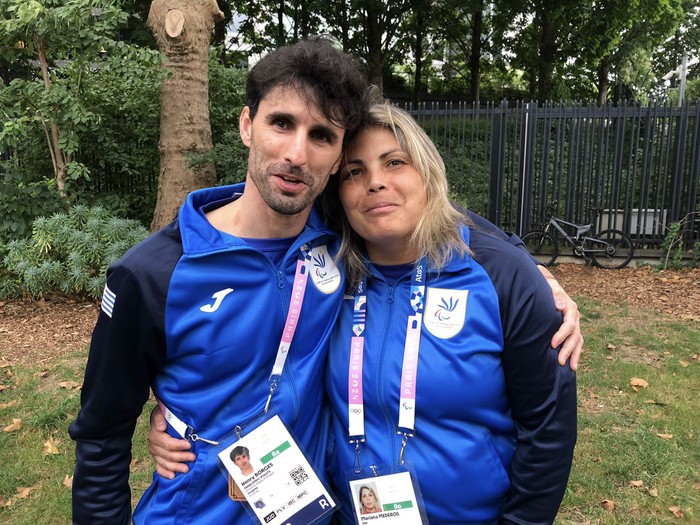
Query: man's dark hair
[
  {"x": 324, "y": 75},
  {"x": 239, "y": 451}
]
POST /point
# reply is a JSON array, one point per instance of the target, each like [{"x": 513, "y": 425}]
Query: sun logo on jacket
[
  {"x": 446, "y": 308},
  {"x": 320, "y": 264}
]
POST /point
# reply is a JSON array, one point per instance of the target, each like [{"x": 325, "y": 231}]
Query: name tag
[
  {"x": 274, "y": 477},
  {"x": 386, "y": 499}
]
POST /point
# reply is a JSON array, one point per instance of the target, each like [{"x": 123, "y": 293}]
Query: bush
[
  {"x": 673, "y": 255},
  {"x": 68, "y": 253},
  {"x": 22, "y": 200},
  {"x": 672, "y": 247}
]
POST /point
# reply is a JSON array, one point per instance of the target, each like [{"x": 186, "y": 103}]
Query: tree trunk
[
  {"x": 296, "y": 29},
  {"x": 183, "y": 29},
  {"x": 344, "y": 24},
  {"x": 475, "y": 56},
  {"x": 280, "y": 24},
  {"x": 305, "y": 16},
  {"x": 603, "y": 81},
  {"x": 418, "y": 53},
  {"x": 374, "y": 32},
  {"x": 548, "y": 48},
  {"x": 60, "y": 165}
]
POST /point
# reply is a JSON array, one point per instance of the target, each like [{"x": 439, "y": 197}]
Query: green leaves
[
  {"x": 69, "y": 252},
  {"x": 70, "y": 42}
]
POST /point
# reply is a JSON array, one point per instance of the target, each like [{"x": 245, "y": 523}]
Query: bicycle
[{"x": 610, "y": 249}]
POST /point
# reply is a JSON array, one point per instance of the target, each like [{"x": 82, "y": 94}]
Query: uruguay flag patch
[{"x": 108, "y": 299}]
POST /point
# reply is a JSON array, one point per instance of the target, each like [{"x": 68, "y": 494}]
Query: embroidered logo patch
[
  {"x": 445, "y": 311},
  {"x": 324, "y": 273}
]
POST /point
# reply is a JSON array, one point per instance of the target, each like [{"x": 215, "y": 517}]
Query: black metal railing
[{"x": 639, "y": 164}]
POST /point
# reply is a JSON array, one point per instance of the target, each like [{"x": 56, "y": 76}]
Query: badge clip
[
  {"x": 273, "y": 387},
  {"x": 405, "y": 434}
]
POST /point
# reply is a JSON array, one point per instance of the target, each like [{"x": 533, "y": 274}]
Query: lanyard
[
  {"x": 295, "y": 303},
  {"x": 409, "y": 367}
]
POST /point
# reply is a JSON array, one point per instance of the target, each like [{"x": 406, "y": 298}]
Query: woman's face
[
  {"x": 382, "y": 194},
  {"x": 368, "y": 499}
]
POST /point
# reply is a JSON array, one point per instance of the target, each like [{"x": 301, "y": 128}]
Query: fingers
[
  {"x": 168, "y": 474},
  {"x": 158, "y": 422},
  {"x": 170, "y": 454},
  {"x": 169, "y": 468},
  {"x": 572, "y": 347},
  {"x": 569, "y": 332}
]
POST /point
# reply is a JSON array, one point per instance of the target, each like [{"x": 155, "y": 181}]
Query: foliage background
[{"x": 79, "y": 108}]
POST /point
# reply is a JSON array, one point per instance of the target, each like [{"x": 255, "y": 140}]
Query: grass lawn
[{"x": 637, "y": 459}]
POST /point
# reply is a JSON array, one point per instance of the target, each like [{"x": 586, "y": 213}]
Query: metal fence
[{"x": 631, "y": 167}]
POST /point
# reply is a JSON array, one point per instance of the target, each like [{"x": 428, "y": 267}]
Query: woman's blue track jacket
[{"x": 495, "y": 413}]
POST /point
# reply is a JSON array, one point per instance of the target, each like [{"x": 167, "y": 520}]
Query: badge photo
[{"x": 390, "y": 498}]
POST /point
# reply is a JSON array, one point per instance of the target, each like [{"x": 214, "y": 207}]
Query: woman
[
  {"x": 495, "y": 414},
  {"x": 443, "y": 347}
]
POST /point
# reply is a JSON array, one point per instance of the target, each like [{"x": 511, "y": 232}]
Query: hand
[
  {"x": 169, "y": 453},
  {"x": 570, "y": 331}
]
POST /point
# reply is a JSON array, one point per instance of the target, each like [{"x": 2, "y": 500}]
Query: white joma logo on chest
[{"x": 218, "y": 298}]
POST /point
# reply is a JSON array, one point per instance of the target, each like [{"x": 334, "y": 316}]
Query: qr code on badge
[{"x": 299, "y": 475}]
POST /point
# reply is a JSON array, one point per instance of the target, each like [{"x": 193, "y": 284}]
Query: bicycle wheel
[
  {"x": 612, "y": 250},
  {"x": 542, "y": 246}
]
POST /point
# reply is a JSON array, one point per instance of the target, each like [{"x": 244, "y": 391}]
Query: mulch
[{"x": 34, "y": 332}]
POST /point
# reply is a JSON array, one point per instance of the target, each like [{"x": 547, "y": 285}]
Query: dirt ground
[{"x": 32, "y": 332}]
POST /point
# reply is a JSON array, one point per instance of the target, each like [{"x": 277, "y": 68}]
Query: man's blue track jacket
[{"x": 210, "y": 366}]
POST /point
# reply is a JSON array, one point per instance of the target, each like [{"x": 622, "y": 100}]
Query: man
[{"x": 197, "y": 310}]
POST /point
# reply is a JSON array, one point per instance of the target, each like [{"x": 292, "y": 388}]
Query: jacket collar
[{"x": 199, "y": 237}]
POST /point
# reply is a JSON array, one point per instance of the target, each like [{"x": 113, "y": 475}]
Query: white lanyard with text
[
  {"x": 295, "y": 303},
  {"x": 409, "y": 368}
]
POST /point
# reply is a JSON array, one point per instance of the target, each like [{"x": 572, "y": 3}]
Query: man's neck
[{"x": 250, "y": 217}]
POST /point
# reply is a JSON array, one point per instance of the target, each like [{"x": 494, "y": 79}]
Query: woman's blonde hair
[{"x": 437, "y": 236}]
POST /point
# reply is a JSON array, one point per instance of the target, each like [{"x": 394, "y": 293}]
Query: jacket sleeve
[
  {"x": 490, "y": 228},
  {"x": 127, "y": 347},
  {"x": 542, "y": 396}
]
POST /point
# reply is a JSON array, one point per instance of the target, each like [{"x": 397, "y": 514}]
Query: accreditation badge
[
  {"x": 386, "y": 495},
  {"x": 269, "y": 471}
]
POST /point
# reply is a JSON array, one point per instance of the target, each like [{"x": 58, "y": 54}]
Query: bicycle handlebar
[{"x": 552, "y": 207}]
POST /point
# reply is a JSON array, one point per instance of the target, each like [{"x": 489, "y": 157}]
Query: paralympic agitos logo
[
  {"x": 320, "y": 264},
  {"x": 445, "y": 308}
]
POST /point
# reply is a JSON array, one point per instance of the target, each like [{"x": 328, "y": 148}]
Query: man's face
[
  {"x": 293, "y": 150},
  {"x": 242, "y": 461}
]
